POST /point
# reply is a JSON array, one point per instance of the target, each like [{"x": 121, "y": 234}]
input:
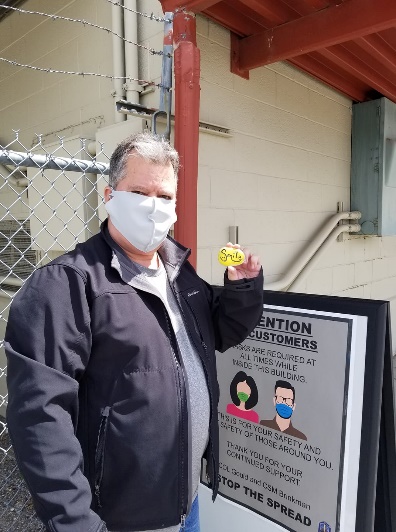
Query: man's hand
[{"x": 248, "y": 269}]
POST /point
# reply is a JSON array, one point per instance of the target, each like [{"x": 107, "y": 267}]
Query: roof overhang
[{"x": 348, "y": 44}]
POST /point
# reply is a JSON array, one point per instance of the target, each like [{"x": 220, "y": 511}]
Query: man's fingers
[
  {"x": 251, "y": 264},
  {"x": 232, "y": 273},
  {"x": 254, "y": 262},
  {"x": 247, "y": 254}
]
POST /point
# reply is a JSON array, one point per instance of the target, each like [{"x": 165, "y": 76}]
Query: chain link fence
[{"x": 50, "y": 200}]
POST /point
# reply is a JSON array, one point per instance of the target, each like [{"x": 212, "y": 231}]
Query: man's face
[
  {"x": 285, "y": 396},
  {"x": 148, "y": 179}
]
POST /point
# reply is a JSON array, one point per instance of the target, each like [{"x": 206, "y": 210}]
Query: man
[
  {"x": 111, "y": 362},
  {"x": 284, "y": 403}
]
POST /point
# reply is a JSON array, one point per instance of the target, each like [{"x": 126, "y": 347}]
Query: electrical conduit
[
  {"x": 131, "y": 52},
  {"x": 353, "y": 228},
  {"x": 322, "y": 240},
  {"x": 118, "y": 58}
]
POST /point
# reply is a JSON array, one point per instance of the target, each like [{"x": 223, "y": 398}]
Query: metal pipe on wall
[
  {"x": 353, "y": 228},
  {"x": 131, "y": 51},
  {"x": 118, "y": 58},
  {"x": 165, "y": 106},
  {"x": 187, "y": 99},
  {"x": 314, "y": 245}
]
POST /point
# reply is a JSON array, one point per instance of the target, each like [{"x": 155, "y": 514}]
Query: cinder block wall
[
  {"x": 287, "y": 164},
  {"x": 46, "y": 103},
  {"x": 280, "y": 174}
]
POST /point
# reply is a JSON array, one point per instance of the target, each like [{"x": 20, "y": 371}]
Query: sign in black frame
[
  {"x": 376, "y": 497},
  {"x": 376, "y": 493}
]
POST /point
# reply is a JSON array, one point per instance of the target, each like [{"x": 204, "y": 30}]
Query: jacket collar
[{"x": 173, "y": 254}]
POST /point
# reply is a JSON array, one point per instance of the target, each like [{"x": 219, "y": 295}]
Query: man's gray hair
[{"x": 150, "y": 147}]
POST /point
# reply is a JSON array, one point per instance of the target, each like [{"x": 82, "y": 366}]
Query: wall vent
[{"x": 17, "y": 256}]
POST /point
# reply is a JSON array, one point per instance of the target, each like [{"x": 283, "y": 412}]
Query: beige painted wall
[
  {"x": 280, "y": 174},
  {"x": 36, "y": 102}
]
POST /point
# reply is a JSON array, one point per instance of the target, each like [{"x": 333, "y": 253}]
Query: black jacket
[{"x": 97, "y": 400}]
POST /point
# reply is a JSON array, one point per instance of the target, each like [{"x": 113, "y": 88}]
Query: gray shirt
[{"x": 157, "y": 283}]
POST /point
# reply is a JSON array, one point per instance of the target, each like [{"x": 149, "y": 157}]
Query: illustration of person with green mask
[
  {"x": 284, "y": 402},
  {"x": 244, "y": 395}
]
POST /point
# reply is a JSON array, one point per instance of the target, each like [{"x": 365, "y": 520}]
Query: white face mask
[{"x": 144, "y": 221}]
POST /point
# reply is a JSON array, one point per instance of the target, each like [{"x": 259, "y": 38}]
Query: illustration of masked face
[
  {"x": 243, "y": 397},
  {"x": 284, "y": 403},
  {"x": 283, "y": 410},
  {"x": 243, "y": 391}
]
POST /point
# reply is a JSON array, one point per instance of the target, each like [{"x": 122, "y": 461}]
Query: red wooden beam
[
  {"x": 340, "y": 80},
  {"x": 305, "y": 7},
  {"x": 187, "y": 96},
  {"x": 389, "y": 37},
  {"x": 247, "y": 12},
  {"x": 364, "y": 71},
  {"x": 234, "y": 20},
  {"x": 273, "y": 11},
  {"x": 337, "y": 24},
  {"x": 234, "y": 67},
  {"x": 188, "y": 5},
  {"x": 379, "y": 49}
]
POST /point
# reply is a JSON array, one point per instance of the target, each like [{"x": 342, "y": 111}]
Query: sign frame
[{"x": 376, "y": 491}]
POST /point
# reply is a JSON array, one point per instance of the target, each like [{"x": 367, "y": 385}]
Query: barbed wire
[
  {"x": 85, "y": 23},
  {"x": 147, "y": 15},
  {"x": 107, "y": 76}
]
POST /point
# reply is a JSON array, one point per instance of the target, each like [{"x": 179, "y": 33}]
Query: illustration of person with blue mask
[{"x": 284, "y": 402}]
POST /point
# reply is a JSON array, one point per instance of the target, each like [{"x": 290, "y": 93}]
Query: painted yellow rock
[{"x": 230, "y": 256}]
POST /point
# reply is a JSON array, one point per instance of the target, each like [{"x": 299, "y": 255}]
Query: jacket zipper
[
  {"x": 205, "y": 348},
  {"x": 99, "y": 455},
  {"x": 180, "y": 375},
  {"x": 211, "y": 482}
]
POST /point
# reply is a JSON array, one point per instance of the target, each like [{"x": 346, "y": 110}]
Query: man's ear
[
  {"x": 107, "y": 193},
  {"x": 294, "y": 406}
]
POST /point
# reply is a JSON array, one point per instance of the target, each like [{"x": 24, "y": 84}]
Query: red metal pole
[{"x": 187, "y": 96}]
